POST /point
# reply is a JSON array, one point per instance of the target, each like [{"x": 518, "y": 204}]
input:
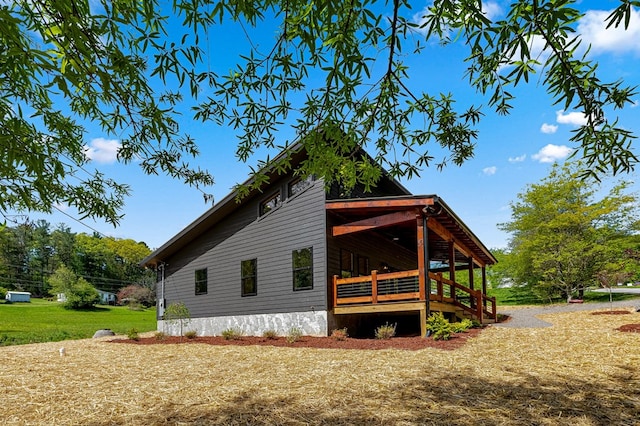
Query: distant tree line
[{"x": 31, "y": 252}]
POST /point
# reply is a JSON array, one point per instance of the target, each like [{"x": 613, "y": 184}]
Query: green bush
[
  {"x": 270, "y": 334},
  {"x": 439, "y": 327},
  {"x": 133, "y": 334},
  {"x": 232, "y": 334},
  {"x": 294, "y": 335},
  {"x": 191, "y": 334},
  {"x": 464, "y": 325},
  {"x": 386, "y": 331},
  {"x": 3, "y": 293},
  {"x": 160, "y": 335}
]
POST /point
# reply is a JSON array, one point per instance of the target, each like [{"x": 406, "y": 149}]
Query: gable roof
[{"x": 230, "y": 203}]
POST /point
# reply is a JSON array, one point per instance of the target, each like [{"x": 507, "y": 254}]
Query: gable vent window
[
  {"x": 270, "y": 203},
  {"x": 201, "y": 281},
  {"x": 249, "y": 277},
  {"x": 302, "y": 261}
]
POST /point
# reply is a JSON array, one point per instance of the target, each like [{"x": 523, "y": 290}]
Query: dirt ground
[{"x": 406, "y": 343}]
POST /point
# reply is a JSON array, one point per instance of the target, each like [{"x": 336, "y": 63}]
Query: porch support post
[
  {"x": 421, "y": 259},
  {"x": 424, "y": 283},
  {"x": 484, "y": 284},
  {"x": 452, "y": 267},
  {"x": 470, "y": 267}
]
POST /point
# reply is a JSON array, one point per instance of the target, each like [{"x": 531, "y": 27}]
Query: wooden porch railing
[{"x": 404, "y": 286}]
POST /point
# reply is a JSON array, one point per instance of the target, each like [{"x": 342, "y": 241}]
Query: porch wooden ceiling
[{"x": 404, "y": 233}]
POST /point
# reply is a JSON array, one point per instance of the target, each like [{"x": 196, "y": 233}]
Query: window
[
  {"x": 302, "y": 269},
  {"x": 299, "y": 185},
  {"x": 363, "y": 265},
  {"x": 201, "y": 281},
  {"x": 270, "y": 203},
  {"x": 346, "y": 264},
  {"x": 249, "y": 272}
]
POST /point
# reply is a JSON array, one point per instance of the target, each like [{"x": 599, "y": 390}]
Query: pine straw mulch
[{"x": 581, "y": 371}]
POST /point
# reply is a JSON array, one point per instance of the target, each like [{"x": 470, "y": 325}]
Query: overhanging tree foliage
[
  {"x": 336, "y": 66},
  {"x": 564, "y": 232}
]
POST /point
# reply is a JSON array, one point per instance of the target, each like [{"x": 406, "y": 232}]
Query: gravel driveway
[{"x": 527, "y": 317}]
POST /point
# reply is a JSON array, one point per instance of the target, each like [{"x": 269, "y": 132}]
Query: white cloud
[
  {"x": 518, "y": 159},
  {"x": 490, "y": 170},
  {"x": 635, "y": 104},
  {"x": 593, "y": 30},
  {"x": 102, "y": 150},
  {"x": 552, "y": 153},
  {"x": 491, "y": 9},
  {"x": 575, "y": 118},
  {"x": 548, "y": 128}
]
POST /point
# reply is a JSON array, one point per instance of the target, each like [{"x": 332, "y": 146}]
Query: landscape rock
[{"x": 103, "y": 333}]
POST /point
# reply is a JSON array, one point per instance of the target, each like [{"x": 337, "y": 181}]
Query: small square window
[
  {"x": 201, "y": 281},
  {"x": 302, "y": 262},
  {"x": 270, "y": 203},
  {"x": 249, "y": 279}
]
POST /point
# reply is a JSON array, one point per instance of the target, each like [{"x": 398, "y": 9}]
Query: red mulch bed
[
  {"x": 611, "y": 313},
  {"x": 407, "y": 343},
  {"x": 631, "y": 328}
]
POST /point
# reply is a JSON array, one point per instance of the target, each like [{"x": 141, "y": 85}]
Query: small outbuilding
[{"x": 18, "y": 296}]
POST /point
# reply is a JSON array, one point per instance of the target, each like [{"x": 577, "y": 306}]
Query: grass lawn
[
  {"x": 44, "y": 321},
  {"x": 511, "y": 296}
]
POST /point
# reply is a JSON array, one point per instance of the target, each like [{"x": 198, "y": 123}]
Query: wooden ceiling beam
[
  {"x": 446, "y": 235},
  {"x": 373, "y": 204},
  {"x": 374, "y": 222}
]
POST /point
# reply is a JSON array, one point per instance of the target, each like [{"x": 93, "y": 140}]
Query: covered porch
[{"x": 446, "y": 255}]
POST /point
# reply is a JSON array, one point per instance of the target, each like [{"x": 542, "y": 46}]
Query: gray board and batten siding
[{"x": 299, "y": 222}]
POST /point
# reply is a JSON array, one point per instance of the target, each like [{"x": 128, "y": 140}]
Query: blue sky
[{"x": 511, "y": 151}]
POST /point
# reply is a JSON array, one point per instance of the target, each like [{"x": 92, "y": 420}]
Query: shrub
[
  {"x": 439, "y": 327},
  {"x": 136, "y": 295},
  {"x": 191, "y": 334},
  {"x": 160, "y": 335},
  {"x": 232, "y": 334},
  {"x": 133, "y": 334},
  {"x": 270, "y": 334},
  {"x": 340, "y": 334},
  {"x": 464, "y": 325},
  {"x": 386, "y": 331},
  {"x": 294, "y": 335},
  {"x": 3, "y": 293}
]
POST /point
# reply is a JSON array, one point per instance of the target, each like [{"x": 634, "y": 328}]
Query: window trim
[
  {"x": 199, "y": 281},
  {"x": 294, "y": 269},
  {"x": 277, "y": 195},
  {"x": 254, "y": 276}
]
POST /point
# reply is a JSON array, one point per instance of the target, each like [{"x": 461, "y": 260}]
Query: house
[
  {"x": 18, "y": 296},
  {"x": 296, "y": 255},
  {"x": 107, "y": 298}
]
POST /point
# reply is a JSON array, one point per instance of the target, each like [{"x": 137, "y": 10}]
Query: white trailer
[{"x": 18, "y": 296}]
